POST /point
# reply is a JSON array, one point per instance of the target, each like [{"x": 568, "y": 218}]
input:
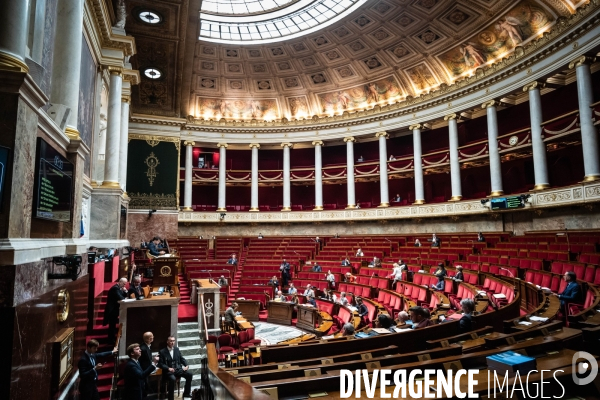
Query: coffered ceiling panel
[{"x": 379, "y": 54}]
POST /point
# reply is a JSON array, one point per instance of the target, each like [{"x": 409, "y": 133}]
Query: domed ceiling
[{"x": 380, "y": 53}]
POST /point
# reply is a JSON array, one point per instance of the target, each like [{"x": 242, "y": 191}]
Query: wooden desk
[
  {"x": 307, "y": 317},
  {"x": 157, "y": 314},
  {"x": 166, "y": 271},
  {"x": 249, "y": 309},
  {"x": 280, "y": 312}
]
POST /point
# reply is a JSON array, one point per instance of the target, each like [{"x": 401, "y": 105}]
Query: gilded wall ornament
[
  {"x": 63, "y": 301},
  {"x": 152, "y": 162}
]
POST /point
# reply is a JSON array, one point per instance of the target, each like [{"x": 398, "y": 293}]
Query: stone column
[
  {"x": 383, "y": 175},
  {"x": 540, "y": 166},
  {"x": 113, "y": 129},
  {"x": 124, "y": 144},
  {"x": 350, "y": 171},
  {"x": 287, "y": 204},
  {"x": 13, "y": 35},
  {"x": 254, "y": 178},
  {"x": 418, "y": 164},
  {"x": 66, "y": 67},
  {"x": 222, "y": 206},
  {"x": 189, "y": 170},
  {"x": 589, "y": 134},
  {"x": 495, "y": 165},
  {"x": 318, "y": 175},
  {"x": 454, "y": 163}
]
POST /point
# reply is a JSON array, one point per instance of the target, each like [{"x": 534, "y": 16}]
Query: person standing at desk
[
  {"x": 346, "y": 262},
  {"x": 111, "y": 313},
  {"x": 285, "y": 272},
  {"x": 174, "y": 366},
  {"x": 135, "y": 376},
  {"x": 88, "y": 366},
  {"x": 222, "y": 281},
  {"x": 232, "y": 260}
]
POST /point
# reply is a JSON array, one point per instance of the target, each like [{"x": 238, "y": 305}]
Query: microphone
[
  {"x": 210, "y": 279},
  {"x": 388, "y": 240},
  {"x": 511, "y": 274}
]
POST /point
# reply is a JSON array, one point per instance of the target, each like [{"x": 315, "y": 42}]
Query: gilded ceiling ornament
[{"x": 152, "y": 162}]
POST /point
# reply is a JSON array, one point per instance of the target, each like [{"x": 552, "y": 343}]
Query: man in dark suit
[
  {"x": 88, "y": 371},
  {"x": 572, "y": 293},
  {"x": 173, "y": 366},
  {"x": 285, "y": 272},
  {"x": 154, "y": 247},
  {"x": 135, "y": 376},
  {"x": 146, "y": 357},
  {"x": 135, "y": 289},
  {"x": 232, "y": 260},
  {"x": 111, "y": 313}
]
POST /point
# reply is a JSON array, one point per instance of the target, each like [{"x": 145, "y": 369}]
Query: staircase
[
  {"x": 235, "y": 284},
  {"x": 188, "y": 341}
]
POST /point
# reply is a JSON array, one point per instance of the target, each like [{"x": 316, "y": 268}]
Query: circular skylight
[
  {"x": 153, "y": 73},
  {"x": 149, "y": 17},
  {"x": 242, "y": 7},
  {"x": 294, "y": 19}
]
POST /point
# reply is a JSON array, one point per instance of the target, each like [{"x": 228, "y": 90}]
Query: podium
[
  {"x": 166, "y": 271},
  {"x": 280, "y": 312},
  {"x": 307, "y": 318},
  {"x": 209, "y": 303},
  {"x": 249, "y": 309},
  {"x": 157, "y": 314}
]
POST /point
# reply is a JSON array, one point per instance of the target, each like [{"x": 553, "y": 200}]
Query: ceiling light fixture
[
  {"x": 152, "y": 73},
  {"x": 149, "y": 17}
]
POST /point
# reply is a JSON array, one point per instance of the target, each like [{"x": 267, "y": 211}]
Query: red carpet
[{"x": 187, "y": 313}]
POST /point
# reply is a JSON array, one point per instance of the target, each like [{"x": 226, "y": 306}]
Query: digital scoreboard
[
  {"x": 508, "y": 203},
  {"x": 53, "y": 184}
]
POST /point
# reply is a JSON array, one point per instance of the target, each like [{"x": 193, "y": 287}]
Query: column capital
[
  {"x": 414, "y": 127},
  {"x": 317, "y": 143},
  {"x": 287, "y": 144},
  {"x": 533, "y": 85},
  {"x": 115, "y": 70},
  {"x": 583, "y": 60},
  {"x": 384, "y": 134},
  {"x": 188, "y": 143},
  {"x": 450, "y": 116},
  {"x": 219, "y": 145},
  {"x": 349, "y": 139},
  {"x": 252, "y": 145},
  {"x": 490, "y": 103},
  {"x": 126, "y": 99}
]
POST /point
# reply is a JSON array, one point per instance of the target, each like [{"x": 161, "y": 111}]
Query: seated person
[
  {"x": 348, "y": 329},
  {"x": 153, "y": 247},
  {"x": 420, "y": 317},
  {"x": 308, "y": 292},
  {"x": 316, "y": 267},
  {"x": 392, "y": 158},
  {"x": 349, "y": 278},
  {"x": 360, "y": 159},
  {"x": 342, "y": 300},
  {"x": 359, "y": 253},
  {"x": 396, "y": 274},
  {"x": 292, "y": 290},
  {"x": 480, "y": 237},
  {"x": 317, "y": 240},
  {"x": 260, "y": 236},
  {"x": 232, "y": 260},
  {"x": 376, "y": 263},
  {"x": 397, "y": 198},
  {"x": 135, "y": 289},
  {"x": 280, "y": 297},
  {"x": 417, "y": 243},
  {"x": 459, "y": 274},
  {"x": 466, "y": 323},
  {"x": 328, "y": 295},
  {"x": 363, "y": 311},
  {"x": 385, "y": 321},
  {"x": 222, "y": 281},
  {"x": 174, "y": 366},
  {"x": 346, "y": 262},
  {"x": 274, "y": 281},
  {"x": 440, "y": 273},
  {"x": 435, "y": 241},
  {"x": 330, "y": 278},
  {"x": 403, "y": 318},
  {"x": 311, "y": 300},
  {"x": 230, "y": 314},
  {"x": 572, "y": 292}
]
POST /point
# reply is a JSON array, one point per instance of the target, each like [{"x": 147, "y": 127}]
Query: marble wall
[
  {"x": 33, "y": 324},
  {"x": 142, "y": 227},
  {"x": 583, "y": 217},
  {"x": 105, "y": 215}
]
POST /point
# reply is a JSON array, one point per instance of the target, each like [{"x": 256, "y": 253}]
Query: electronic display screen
[
  {"x": 507, "y": 203},
  {"x": 53, "y": 184}
]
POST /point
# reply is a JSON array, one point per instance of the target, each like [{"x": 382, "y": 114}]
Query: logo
[
  {"x": 58, "y": 162},
  {"x": 165, "y": 271},
  {"x": 208, "y": 308},
  {"x": 583, "y": 367}
]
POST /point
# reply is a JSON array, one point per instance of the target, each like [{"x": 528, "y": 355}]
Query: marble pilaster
[
  {"x": 350, "y": 171},
  {"x": 494, "y": 154},
  {"x": 13, "y": 35},
  {"x": 124, "y": 141},
  {"x": 383, "y": 175},
  {"x": 418, "y": 164},
  {"x": 113, "y": 130},
  {"x": 540, "y": 166},
  {"x": 222, "y": 202},
  {"x": 454, "y": 160},
  {"x": 254, "y": 178},
  {"x": 318, "y": 175},
  {"x": 287, "y": 205},
  {"x": 105, "y": 213},
  {"x": 187, "y": 194}
]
